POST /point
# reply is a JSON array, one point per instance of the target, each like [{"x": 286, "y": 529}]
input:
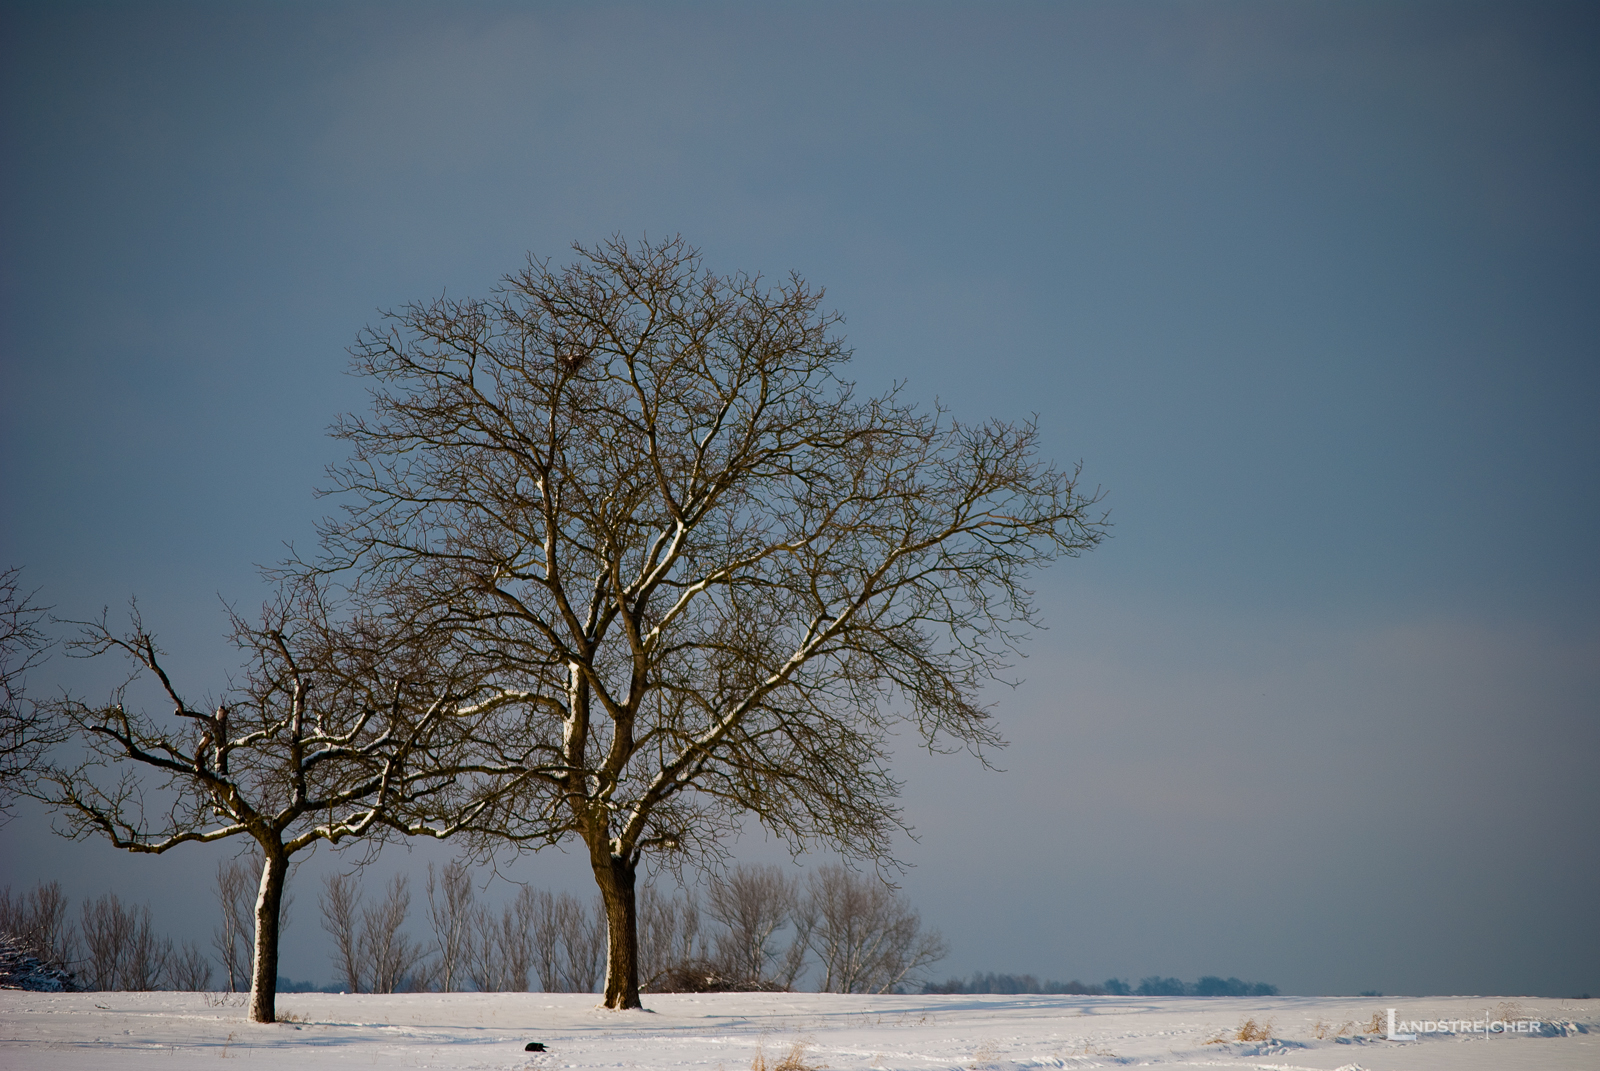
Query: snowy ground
[{"x": 114, "y": 1031}]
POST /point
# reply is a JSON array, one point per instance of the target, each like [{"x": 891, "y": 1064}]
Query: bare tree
[
  {"x": 568, "y": 939},
  {"x": 122, "y": 948},
  {"x": 189, "y": 971},
  {"x": 277, "y": 762},
  {"x": 583, "y": 942},
  {"x": 451, "y": 913},
  {"x": 106, "y": 933},
  {"x": 501, "y": 946},
  {"x": 752, "y": 903},
  {"x": 149, "y": 955},
  {"x": 669, "y": 928},
  {"x": 706, "y": 578},
  {"x": 39, "y": 919},
  {"x": 391, "y": 956},
  {"x": 867, "y": 939},
  {"x": 340, "y": 898},
  {"x": 232, "y": 939},
  {"x": 25, "y": 730}
]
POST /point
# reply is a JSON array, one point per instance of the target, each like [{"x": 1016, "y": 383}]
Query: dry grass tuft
[
  {"x": 1321, "y": 1030},
  {"x": 984, "y": 1057},
  {"x": 1250, "y": 1030},
  {"x": 1379, "y": 1024},
  {"x": 794, "y": 1061}
]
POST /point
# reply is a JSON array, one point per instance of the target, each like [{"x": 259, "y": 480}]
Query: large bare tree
[
  {"x": 332, "y": 732},
  {"x": 706, "y": 577}
]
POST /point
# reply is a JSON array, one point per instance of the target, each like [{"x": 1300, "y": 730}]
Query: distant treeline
[
  {"x": 1014, "y": 983},
  {"x": 1153, "y": 986}
]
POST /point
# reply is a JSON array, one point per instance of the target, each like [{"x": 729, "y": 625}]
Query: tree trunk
[
  {"x": 264, "y": 973},
  {"x": 615, "y": 876}
]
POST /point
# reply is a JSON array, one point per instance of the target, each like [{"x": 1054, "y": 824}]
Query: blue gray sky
[{"x": 1311, "y": 290}]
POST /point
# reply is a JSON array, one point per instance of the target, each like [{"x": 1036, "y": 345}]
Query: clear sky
[{"x": 1312, "y": 290}]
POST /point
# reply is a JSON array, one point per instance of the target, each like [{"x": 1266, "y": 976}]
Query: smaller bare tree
[
  {"x": 335, "y": 734},
  {"x": 105, "y": 940},
  {"x": 450, "y": 910},
  {"x": 123, "y": 949},
  {"x": 568, "y": 938},
  {"x": 669, "y": 931},
  {"x": 149, "y": 955},
  {"x": 340, "y": 896},
  {"x": 867, "y": 938},
  {"x": 39, "y": 919},
  {"x": 391, "y": 955},
  {"x": 232, "y": 939},
  {"x": 189, "y": 971},
  {"x": 502, "y": 946},
  {"x": 752, "y": 903}
]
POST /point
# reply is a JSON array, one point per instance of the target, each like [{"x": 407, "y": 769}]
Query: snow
[{"x": 726, "y": 1031}]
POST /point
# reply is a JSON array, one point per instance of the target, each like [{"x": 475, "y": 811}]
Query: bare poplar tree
[
  {"x": 500, "y": 951},
  {"x": 232, "y": 939},
  {"x": 706, "y": 577},
  {"x": 501, "y": 947},
  {"x": 867, "y": 939},
  {"x": 583, "y": 942},
  {"x": 340, "y": 901},
  {"x": 545, "y": 941},
  {"x": 332, "y": 727},
  {"x": 568, "y": 940},
  {"x": 451, "y": 913}
]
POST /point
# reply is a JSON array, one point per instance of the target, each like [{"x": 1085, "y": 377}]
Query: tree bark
[
  {"x": 616, "y": 876},
  {"x": 264, "y": 973}
]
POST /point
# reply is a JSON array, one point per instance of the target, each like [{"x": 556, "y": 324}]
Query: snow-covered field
[{"x": 113, "y": 1031}]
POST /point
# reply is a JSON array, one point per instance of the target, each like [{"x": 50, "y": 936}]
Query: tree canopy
[{"x": 698, "y": 575}]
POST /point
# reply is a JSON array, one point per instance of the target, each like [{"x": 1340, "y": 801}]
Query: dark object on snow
[
  {"x": 701, "y": 977},
  {"x": 21, "y": 969},
  {"x": 534, "y": 1046}
]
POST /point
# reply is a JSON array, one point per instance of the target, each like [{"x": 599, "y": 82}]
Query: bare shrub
[
  {"x": 867, "y": 939},
  {"x": 450, "y": 912},
  {"x": 702, "y": 976}
]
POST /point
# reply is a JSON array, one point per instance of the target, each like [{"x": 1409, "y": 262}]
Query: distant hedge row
[{"x": 1153, "y": 986}]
